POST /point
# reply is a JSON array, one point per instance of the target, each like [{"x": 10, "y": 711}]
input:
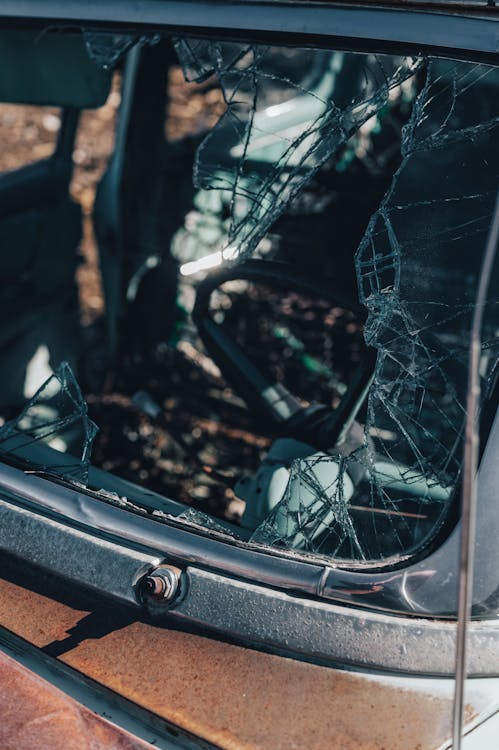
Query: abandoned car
[{"x": 250, "y": 357}]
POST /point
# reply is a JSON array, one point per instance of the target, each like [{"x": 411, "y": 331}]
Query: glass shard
[
  {"x": 194, "y": 517},
  {"x": 56, "y": 417}
]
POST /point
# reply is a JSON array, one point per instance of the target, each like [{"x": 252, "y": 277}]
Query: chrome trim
[
  {"x": 248, "y": 612},
  {"x": 81, "y": 558},
  {"x": 333, "y": 634},
  {"x": 469, "y": 492},
  {"x": 427, "y": 587}
]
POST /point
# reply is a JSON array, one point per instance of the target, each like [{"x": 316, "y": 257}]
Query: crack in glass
[
  {"x": 56, "y": 416},
  {"x": 417, "y": 270},
  {"x": 280, "y": 127},
  {"x": 389, "y": 485}
]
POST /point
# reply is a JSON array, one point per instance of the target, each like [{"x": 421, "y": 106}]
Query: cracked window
[
  {"x": 329, "y": 230},
  {"x": 57, "y": 417},
  {"x": 280, "y": 126},
  {"x": 387, "y": 486}
]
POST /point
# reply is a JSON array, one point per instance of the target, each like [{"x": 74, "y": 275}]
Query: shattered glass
[
  {"x": 390, "y": 483},
  {"x": 281, "y": 125},
  {"x": 197, "y": 518},
  {"x": 417, "y": 270},
  {"x": 56, "y": 416}
]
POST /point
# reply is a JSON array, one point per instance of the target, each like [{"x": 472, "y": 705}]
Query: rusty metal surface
[
  {"x": 232, "y": 696},
  {"x": 34, "y": 715}
]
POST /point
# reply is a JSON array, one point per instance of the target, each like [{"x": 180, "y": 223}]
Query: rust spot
[
  {"x": 34, "y": 715},
  {"x": 44, "y": 619},
  {"x": 233, "y": 696}
]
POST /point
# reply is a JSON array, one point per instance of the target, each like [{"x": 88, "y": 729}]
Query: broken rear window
[
  {"x": 364, "y": 186},
  {"x": 389, "y": 487}
]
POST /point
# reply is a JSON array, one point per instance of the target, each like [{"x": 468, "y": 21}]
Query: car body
[{"x": 326, "y": 615}]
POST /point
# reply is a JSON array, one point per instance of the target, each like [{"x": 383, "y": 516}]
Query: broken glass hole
[{"x": 299, "y": 121}]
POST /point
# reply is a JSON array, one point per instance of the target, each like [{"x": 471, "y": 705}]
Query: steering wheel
[{"x": 277, "y": 409}]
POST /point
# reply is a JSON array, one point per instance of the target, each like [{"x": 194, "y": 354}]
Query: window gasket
[{"x": 425, "y": 588}]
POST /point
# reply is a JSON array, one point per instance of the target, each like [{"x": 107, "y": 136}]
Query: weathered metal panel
[
  {"x": 34, "y": 715},
  {"x": 232, "y": 696},
  {"x": 102, "y": 566}
]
